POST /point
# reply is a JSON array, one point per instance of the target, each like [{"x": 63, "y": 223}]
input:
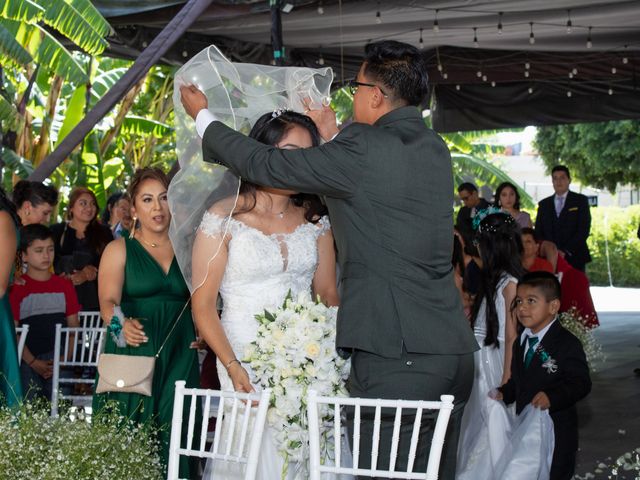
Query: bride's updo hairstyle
[
  {"x": 498, "y": 240},
  {"x": 269, "y": 129}
]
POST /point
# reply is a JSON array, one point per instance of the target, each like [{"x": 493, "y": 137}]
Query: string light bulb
[
  {"x": 493, "y": 83},
  {"x": 625, "y": 60},
  {"x": 499, "y": 23},
  {"x": 321, "y": 59},
  {"x": 445, "y": 75},
  {"x": 610, "y": 91},
  {"x": 569, "y": 24},
  {"x": 527, "y": 65},
  {"x": 574, "y": 71},
  {"x": 569, "y": 94},
  {"x": 475, "y": 37},
  {"x": 526, "y": 73},
  {"x": 484, "y": 78},
  {"x": 421, "y": 41},
  {"x": 320, "y": 8},
  {"x": 479, "y": 73},
  {"x": 439, "y": 67},
  {"x": 570, "y": 74},
  {"x": 532, "y": 37},
  {"x": 457, "y": 87},
  {"x": 185, "y": 54},
  {"x": 589, "y": 42},
  {"x": 530, "y": 90},
  {"x": 436, "y": 25},
  {"x": 614, "y": 70}
]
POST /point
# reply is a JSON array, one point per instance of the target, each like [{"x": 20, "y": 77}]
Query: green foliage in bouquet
[
  {"x": 576, "y": 324},
  {"x": 35, "y": 445}
]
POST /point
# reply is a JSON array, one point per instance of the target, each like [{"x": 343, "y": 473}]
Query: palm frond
[
  {"x": 21, "y": 10},
  {"x": 11, "y": 52},
  {"x": 104, "y": 81},
  {"x": 15, "y": 163},
  {"x": 67, "y": 20},
  {"x": 133, "y": 124},
  {"x": 9, "y": 115},
  {"x": 46, "y": 50},
  {"x": 92, "y": 15}
]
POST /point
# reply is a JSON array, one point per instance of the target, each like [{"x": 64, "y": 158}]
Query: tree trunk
[
  {"x": 125, "y": 106},
  {"x": 42, "y": 147}
]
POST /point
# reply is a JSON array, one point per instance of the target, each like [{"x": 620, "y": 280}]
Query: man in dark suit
[
  {"x": 565, "y": 219},
  {"x": 388, "y": 186},
  {"x": 472, "y": 203},
  {"x": 548, "y": 369}
]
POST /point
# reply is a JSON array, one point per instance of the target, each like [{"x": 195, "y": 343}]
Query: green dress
[
  {"x": 10, "y": 386},
  {"x": 156, "y": 298}
]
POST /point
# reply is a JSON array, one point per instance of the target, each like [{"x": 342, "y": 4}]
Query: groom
[{"x": 388, "y": 184}]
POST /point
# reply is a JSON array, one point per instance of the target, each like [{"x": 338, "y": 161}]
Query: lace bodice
[{"x": 260, "y": 271}]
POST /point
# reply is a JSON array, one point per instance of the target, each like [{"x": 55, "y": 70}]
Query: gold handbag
[
  {"x": 125, "y": 373},
  {"x": 130, "y": 373}
]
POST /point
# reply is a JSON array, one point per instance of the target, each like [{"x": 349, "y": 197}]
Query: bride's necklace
[{"x": 281, "y": 214}]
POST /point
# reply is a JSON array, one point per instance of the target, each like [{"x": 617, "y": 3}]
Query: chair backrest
[
  {"x": 21, "y": 333},
  {"x": 238, "y": 431},
  {"x": 408, "y": 411},
  {"x": 74, "y": 347},
  {"x": 90, "y": 319}
]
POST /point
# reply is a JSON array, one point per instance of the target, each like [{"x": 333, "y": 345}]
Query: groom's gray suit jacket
[{"x": 389, "y": 190}]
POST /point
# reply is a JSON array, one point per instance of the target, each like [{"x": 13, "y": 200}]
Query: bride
[{"x": 272, "y": 242}]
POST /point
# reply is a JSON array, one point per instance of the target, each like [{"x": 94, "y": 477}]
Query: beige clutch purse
[{"x": 125, "y": 373}]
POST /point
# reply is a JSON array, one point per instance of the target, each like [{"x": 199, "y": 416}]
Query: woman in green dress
[
  {"x": 139, "y": 273},
  {"x": 10, "y": 387}
]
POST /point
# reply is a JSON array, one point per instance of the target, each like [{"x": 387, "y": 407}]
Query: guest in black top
[
  {"x": 468, "y": 193},
  {"x": 564, "y": 219},
  {"x": 79, "y": 243},
  {"x": 549, "y": 369}
]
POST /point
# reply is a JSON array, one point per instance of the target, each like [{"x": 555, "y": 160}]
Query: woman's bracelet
[{"x": 235, "y": 360}]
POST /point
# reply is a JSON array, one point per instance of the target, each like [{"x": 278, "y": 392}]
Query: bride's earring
[{"x": 133, "y": 228}]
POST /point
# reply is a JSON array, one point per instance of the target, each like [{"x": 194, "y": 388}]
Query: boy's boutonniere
[{"x": 548, "y": 362}]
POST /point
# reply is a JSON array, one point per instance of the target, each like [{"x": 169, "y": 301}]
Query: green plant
[
  {"x": 615, "y": 247},
  {"x": 36, "y": 445}
]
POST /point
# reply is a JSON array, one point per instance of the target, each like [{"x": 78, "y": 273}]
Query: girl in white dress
[
  {"x": 274, "y": 242},
  {"x": 485, "y": 424}
]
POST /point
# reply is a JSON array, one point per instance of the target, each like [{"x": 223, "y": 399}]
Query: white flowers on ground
[{"x": 294, "y": 352}]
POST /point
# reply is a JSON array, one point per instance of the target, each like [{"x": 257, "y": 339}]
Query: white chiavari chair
[
  {"x": 74, "y": 347},
  {"x": 405, "y": 411},
  {"x": 238, "y": 431},
  {"x": 21, "y": 334}
]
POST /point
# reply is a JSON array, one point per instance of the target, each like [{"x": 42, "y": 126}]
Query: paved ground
[{"x": 610, "y": 415}]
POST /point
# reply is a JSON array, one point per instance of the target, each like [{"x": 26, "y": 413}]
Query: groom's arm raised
[{"x": 330, "y": 169}]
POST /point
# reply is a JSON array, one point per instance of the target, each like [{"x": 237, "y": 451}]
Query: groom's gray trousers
[{"x": 413, "y": 376}]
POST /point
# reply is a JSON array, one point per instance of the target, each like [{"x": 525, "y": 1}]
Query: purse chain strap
[{"x": 172, "y": 328}]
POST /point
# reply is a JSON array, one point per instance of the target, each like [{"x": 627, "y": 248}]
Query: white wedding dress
[
  {"x": 494, "y": 442},
  {"x": 261, "y": 270}
]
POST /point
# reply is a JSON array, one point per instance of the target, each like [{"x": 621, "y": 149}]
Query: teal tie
[{"x": 533, "y": 341}]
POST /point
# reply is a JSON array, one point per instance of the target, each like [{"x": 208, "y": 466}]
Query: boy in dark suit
[{"x": 549, "y": 368}]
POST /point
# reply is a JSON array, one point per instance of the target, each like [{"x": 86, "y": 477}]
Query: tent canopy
[{"x": 531, "y": 71}]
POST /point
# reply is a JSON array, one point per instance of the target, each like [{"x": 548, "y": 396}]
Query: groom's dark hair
[{"x": 400, "y": 68}]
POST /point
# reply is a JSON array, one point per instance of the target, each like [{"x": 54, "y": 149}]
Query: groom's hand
[
  {"x": 193, "y": 100},
  {"x": 325, "y": 120}
]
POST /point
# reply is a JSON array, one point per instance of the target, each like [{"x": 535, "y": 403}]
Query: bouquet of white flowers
[
  {"x": 573, "y": 321},
  {"x": 294, "y": 352}
]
